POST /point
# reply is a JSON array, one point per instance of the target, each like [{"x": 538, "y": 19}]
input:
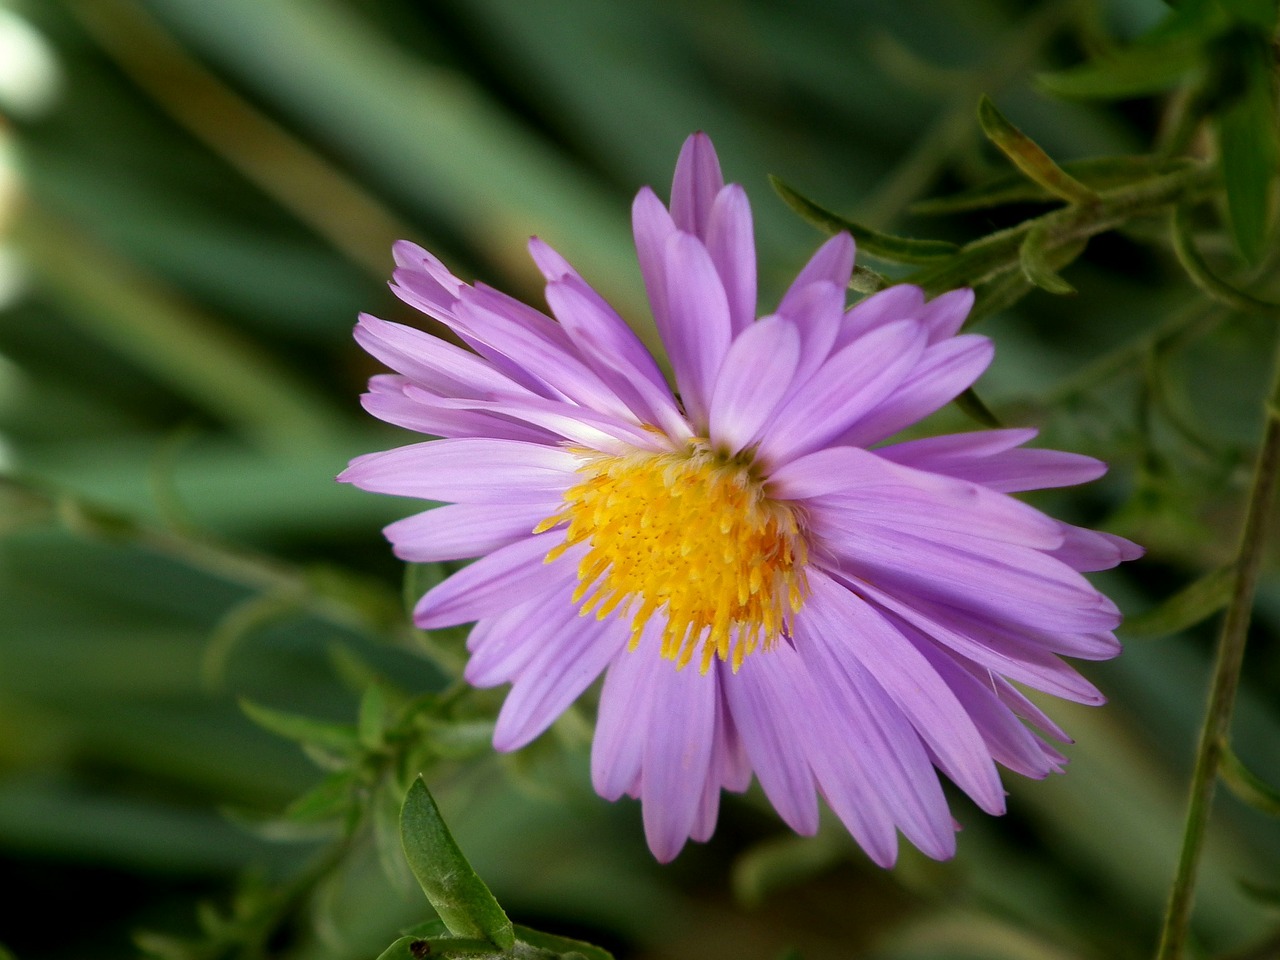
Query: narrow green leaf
[
  {"x": 1204, "y": 278},
  {"x": 1135, "y": 71},
  {"x": 371, "y": 722},
  {"x": 1247, "y": 785},
  {"x": 307, "y": 730},
  {"x": 1196, "y": 602},
  {"x": 1029, "y": 157},
  {"x": 460, "y": 897},
  {"x": 1247, "y": 133},
  {"x": 1033, "y": 259},
  {"x": 561, "y": 945},
  {"x": 882, "y": 245},
  {"x": 1097, "y": 173}
]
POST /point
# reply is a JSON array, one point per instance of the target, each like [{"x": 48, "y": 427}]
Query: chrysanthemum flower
[{"x": 767, "y": 584}]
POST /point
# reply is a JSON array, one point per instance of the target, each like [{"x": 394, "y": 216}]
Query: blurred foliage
[{"x": 197, "y": 198}]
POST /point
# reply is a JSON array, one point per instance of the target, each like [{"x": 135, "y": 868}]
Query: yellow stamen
[{"x": 689, "y": 536}]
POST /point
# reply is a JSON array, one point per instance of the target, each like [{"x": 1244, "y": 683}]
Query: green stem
[{"x": 1226, "y": 680}]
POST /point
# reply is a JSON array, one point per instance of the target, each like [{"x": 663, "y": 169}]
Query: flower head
[{"x": 767, "y": 582}]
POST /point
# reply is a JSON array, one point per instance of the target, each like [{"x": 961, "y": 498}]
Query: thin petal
[
  {"x": 698, "y": 330},
  {"x": 566, "y": 663},
  {"x": 873, "y": 748},
  {"x": 757, "y": 372},
  {"x": 652, "y": 227},
  {"x": 945, "y": 370},
  {"x": 432, "y": 418},
  {"x": 863, "y": 487},
  {"x": 467, "y": 470},
  {"x": 677, "y": 753},
  {"x": 465, "y": 529},
  {"x": 696, "y": 183},
  {"x": 902, "y": 301},
  {"x": 842, "y": 390},
  {"x": 508, "y": 576},
  {"x": 815, "y": 310},
  {"x": 1089, "y": 550},
  {"x": 429, "y": 361},
  {"x": 763, "y": 696},
  {"x": 833, "y": 263},
  {"x": 944, "y": 315},
  {"x": 919, "y": 692},
  {"x": 732, "y": 246}
]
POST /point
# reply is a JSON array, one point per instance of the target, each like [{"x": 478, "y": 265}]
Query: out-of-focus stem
[{"x": 1226, "y": 680}]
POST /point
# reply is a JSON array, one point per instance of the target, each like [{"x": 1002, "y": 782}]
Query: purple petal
[
  {"x": 732, "y": 246},
  {"x": 581, "y": 426},
  {"x": 616, "y": 354},
  {"x": 912, "y": 683},
  {"x": 467, "y": 470},
  {"x": 431, "y": 418},
  {"x": 815, "y": 310},
  {"x": 1089, "y": 550},
  {"x": 945, "y": 370},
  {"x": 677, "y": 755},
  {"x": 853, "y": 487},
  {"x": 1011, "y": 584},
  {"x": 938, "y": 454},
  {"x": 552, "y": 360},
  {"x": 763, "y": 696},
  {"x": 1008, "y": 741},
  {"x": 465, "y": 529},
  {"x": 698, "y": 331},
  {"x": 652, "y": 227},
  {"x": 833, "y": 262},
  {"x": 852, "y": 381},
  {"x": 502, "y": 579},
  {"x": 870, "y": 750},
  {"x": 757, "y": 372},
  {"x": 434, "y": 363},
  {"x": 567, "y": 661},
  {"x": 944, "y": 315},
  {"x": 900, "y": 302},
  {"x": 696, "y": 183},
  {"x": 1038, "y": 669},
  {"x": 626, "y": 709}
]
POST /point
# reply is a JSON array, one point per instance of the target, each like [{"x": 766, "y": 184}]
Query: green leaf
[
  {"x": 1097, "y": 173},
  {"x": 306, "y": 730},
  {"x": 882, "y": 245},
  {"x": 1029, "y": 157},
  {"x": 1135, "y": 71},
  {"x": 563, "y": 945},
  {"x": 1248, "y": 135},
  {"x": 1247, "y": 785},
  {"x": 1033, "y": 259},
  {"x": 460, "y": 897},
  {"x": 1189, "y": 606}
]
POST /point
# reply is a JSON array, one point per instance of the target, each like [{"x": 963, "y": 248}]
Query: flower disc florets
[{"x": 690, "y": 536}]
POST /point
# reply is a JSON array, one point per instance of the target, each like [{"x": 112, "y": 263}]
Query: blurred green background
[{"x": 196, "y": 198}]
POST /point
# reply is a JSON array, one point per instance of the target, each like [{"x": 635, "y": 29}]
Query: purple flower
[{"x": 766, "y": 585}]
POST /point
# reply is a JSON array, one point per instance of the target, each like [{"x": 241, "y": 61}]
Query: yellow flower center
[{"x": 691, "y": 537}]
